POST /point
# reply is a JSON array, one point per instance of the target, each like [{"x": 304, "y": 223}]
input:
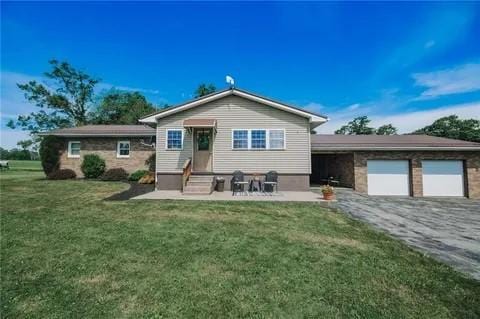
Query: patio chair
[
  {"x": 271, "y": 182},
  {"x": 238, "y": 182}
]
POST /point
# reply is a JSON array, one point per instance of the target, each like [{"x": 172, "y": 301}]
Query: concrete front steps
[{"x": 199, "y": 185}]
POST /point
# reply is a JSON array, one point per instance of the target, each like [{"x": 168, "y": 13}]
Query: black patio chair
[
  {"x": 271, "y": 182},
  {"x": 238, "y": 182}
]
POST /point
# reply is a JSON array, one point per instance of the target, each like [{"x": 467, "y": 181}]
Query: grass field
[
  {"x": 25, "y": 165},
  {"x": 67, "y": 253}
]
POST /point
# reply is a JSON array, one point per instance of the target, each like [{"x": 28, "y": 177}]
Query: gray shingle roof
[
  {"x": 104, "y": 130},
  {"x": 321, "y": 142}
]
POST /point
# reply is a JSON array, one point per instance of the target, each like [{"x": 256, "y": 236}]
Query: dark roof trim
[{"x": 103, "y": 130}]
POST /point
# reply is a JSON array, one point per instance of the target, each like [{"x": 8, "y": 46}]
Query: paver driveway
[{"x": 447, "y": 229}]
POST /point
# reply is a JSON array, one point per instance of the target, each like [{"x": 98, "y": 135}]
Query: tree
[
  {"x": 117, "y": 107},
  {"x": 4, "y": 153},
  {"x": 359, "y": 126},
  {"x": 204, "y": 89},
  {"x": 453, "y": 127},
  {"x": 63, "y": 104},
  {"x": 25, "y": 145},
  {"x": 387, "y": 129}
]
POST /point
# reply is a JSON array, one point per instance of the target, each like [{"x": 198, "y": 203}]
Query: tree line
[{"x": 449, "y": 126}]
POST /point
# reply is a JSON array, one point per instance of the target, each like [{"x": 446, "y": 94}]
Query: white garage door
[
  {"x": 388, "y": 177},
  {"x": 442, "y": 178}
]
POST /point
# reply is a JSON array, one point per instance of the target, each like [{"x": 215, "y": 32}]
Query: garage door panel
[
  {"x": 388, "y": 177},
  {"x": 443, "y": 178}
]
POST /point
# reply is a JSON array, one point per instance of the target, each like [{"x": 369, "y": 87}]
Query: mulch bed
[{"x": 135, "y": 189}]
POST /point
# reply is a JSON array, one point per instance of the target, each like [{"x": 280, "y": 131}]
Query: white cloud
[
  {"x": 353, "y": 106},
  {"x": 108, "y": 86},
  {"x": 408, "y": 122},
  {"x": 429, "y": 44},
  {"x": 461, "y": 79},
  {"x": 314, "y": 107}
]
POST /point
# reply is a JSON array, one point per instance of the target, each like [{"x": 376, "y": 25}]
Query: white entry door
[
  {"x": 442, "y": 178},
  {"x": 388, "y": 177}
]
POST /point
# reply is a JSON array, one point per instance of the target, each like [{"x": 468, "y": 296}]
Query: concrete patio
[{"x": 247, "y": 196}]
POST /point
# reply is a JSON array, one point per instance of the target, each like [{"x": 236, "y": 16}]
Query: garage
[
  {"x": 388, "y": 177},
  {"x": 443, "y": 178}
]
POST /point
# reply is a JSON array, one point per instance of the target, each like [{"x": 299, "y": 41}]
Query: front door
[{"x": 202, "y": 150}]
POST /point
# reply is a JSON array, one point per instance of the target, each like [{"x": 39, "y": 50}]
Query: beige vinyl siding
[{"x": 233, "y": 112}]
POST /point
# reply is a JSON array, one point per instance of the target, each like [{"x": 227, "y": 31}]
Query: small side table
[{"x": 255, "y": 185}]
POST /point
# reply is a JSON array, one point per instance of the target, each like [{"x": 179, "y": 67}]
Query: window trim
[
  {"x": 181, "y": 139},
  {"x": 267, "y": 137},
  {"x": 118, "y": 149},
  {"x": 69, "y": 151}
]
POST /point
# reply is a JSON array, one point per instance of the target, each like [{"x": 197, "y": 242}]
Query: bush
[
  {"x": 135, "y": 176},
  {"x": 114, "y": 174},
  {"x": 62, "y": 174},
  {"x": 150, "y": 162},
  {"x": 93, "y": 166},
  {"x": 50, "y": 147},
  {"x": 147, "y": 179}
]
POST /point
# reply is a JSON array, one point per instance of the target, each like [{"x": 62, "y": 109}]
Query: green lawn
[
  {"x": 67, "y": 253},
  {"x": 25, "y": 165}
]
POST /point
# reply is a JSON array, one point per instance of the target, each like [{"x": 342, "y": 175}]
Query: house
[
  {"x": 233, "y": 129},
  {"x": 126, "y": 146}
]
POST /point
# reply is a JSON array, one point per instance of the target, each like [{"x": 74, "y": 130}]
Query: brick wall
[
  {"x": 471, "y": 160},
  {"x": 106, "y": 148}
]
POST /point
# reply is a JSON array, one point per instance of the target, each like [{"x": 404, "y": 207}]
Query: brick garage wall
[
  {"x": 470, "y": 158},
  {"x": 106, "y": 148}
]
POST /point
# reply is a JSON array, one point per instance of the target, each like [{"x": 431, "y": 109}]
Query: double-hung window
[
  {"x": 174, "y": 139},
  {"x": 276, "y": 139},
  {"x": 123, "y": 149},
  {"x": 240, "y": 139},
  {"x": 258, "y": 139},
  {"x": 74, "y": 149}
]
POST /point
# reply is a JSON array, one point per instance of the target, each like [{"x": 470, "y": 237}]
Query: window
[
  {"x": 240, "y": 139},
  {"x": 276, "y": 139},
  {"x": 258, "y": 139},
  {"x": 123, "y": 149},
  {"x": 174, "y": 139},
  {"x": 74, "y": 149}
]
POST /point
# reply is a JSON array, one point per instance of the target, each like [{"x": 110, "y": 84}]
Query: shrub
[
  {"x": 147, "y": 179},
  {"x": 135, "y": 176},
  {"x": 62, "y": 174},
  {"x": 93, "y": 166},
  {"x": 150, "y": 162},
  {"x": 114, "y": 174},
  {"x": 50, "y": 147}
]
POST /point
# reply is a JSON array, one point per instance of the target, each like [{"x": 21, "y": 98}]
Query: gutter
[
  {"x": 399, "y": 148},
  {"x": 97, "y": 135}
]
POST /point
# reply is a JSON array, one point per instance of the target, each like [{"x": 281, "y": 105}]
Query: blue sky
[{"x": 404, "y": 63}]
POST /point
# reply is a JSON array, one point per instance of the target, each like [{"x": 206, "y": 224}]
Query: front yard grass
[{"x": 65, "y": 252}]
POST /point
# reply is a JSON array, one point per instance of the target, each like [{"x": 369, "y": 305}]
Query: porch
[{"x": 286, "y": 196}]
